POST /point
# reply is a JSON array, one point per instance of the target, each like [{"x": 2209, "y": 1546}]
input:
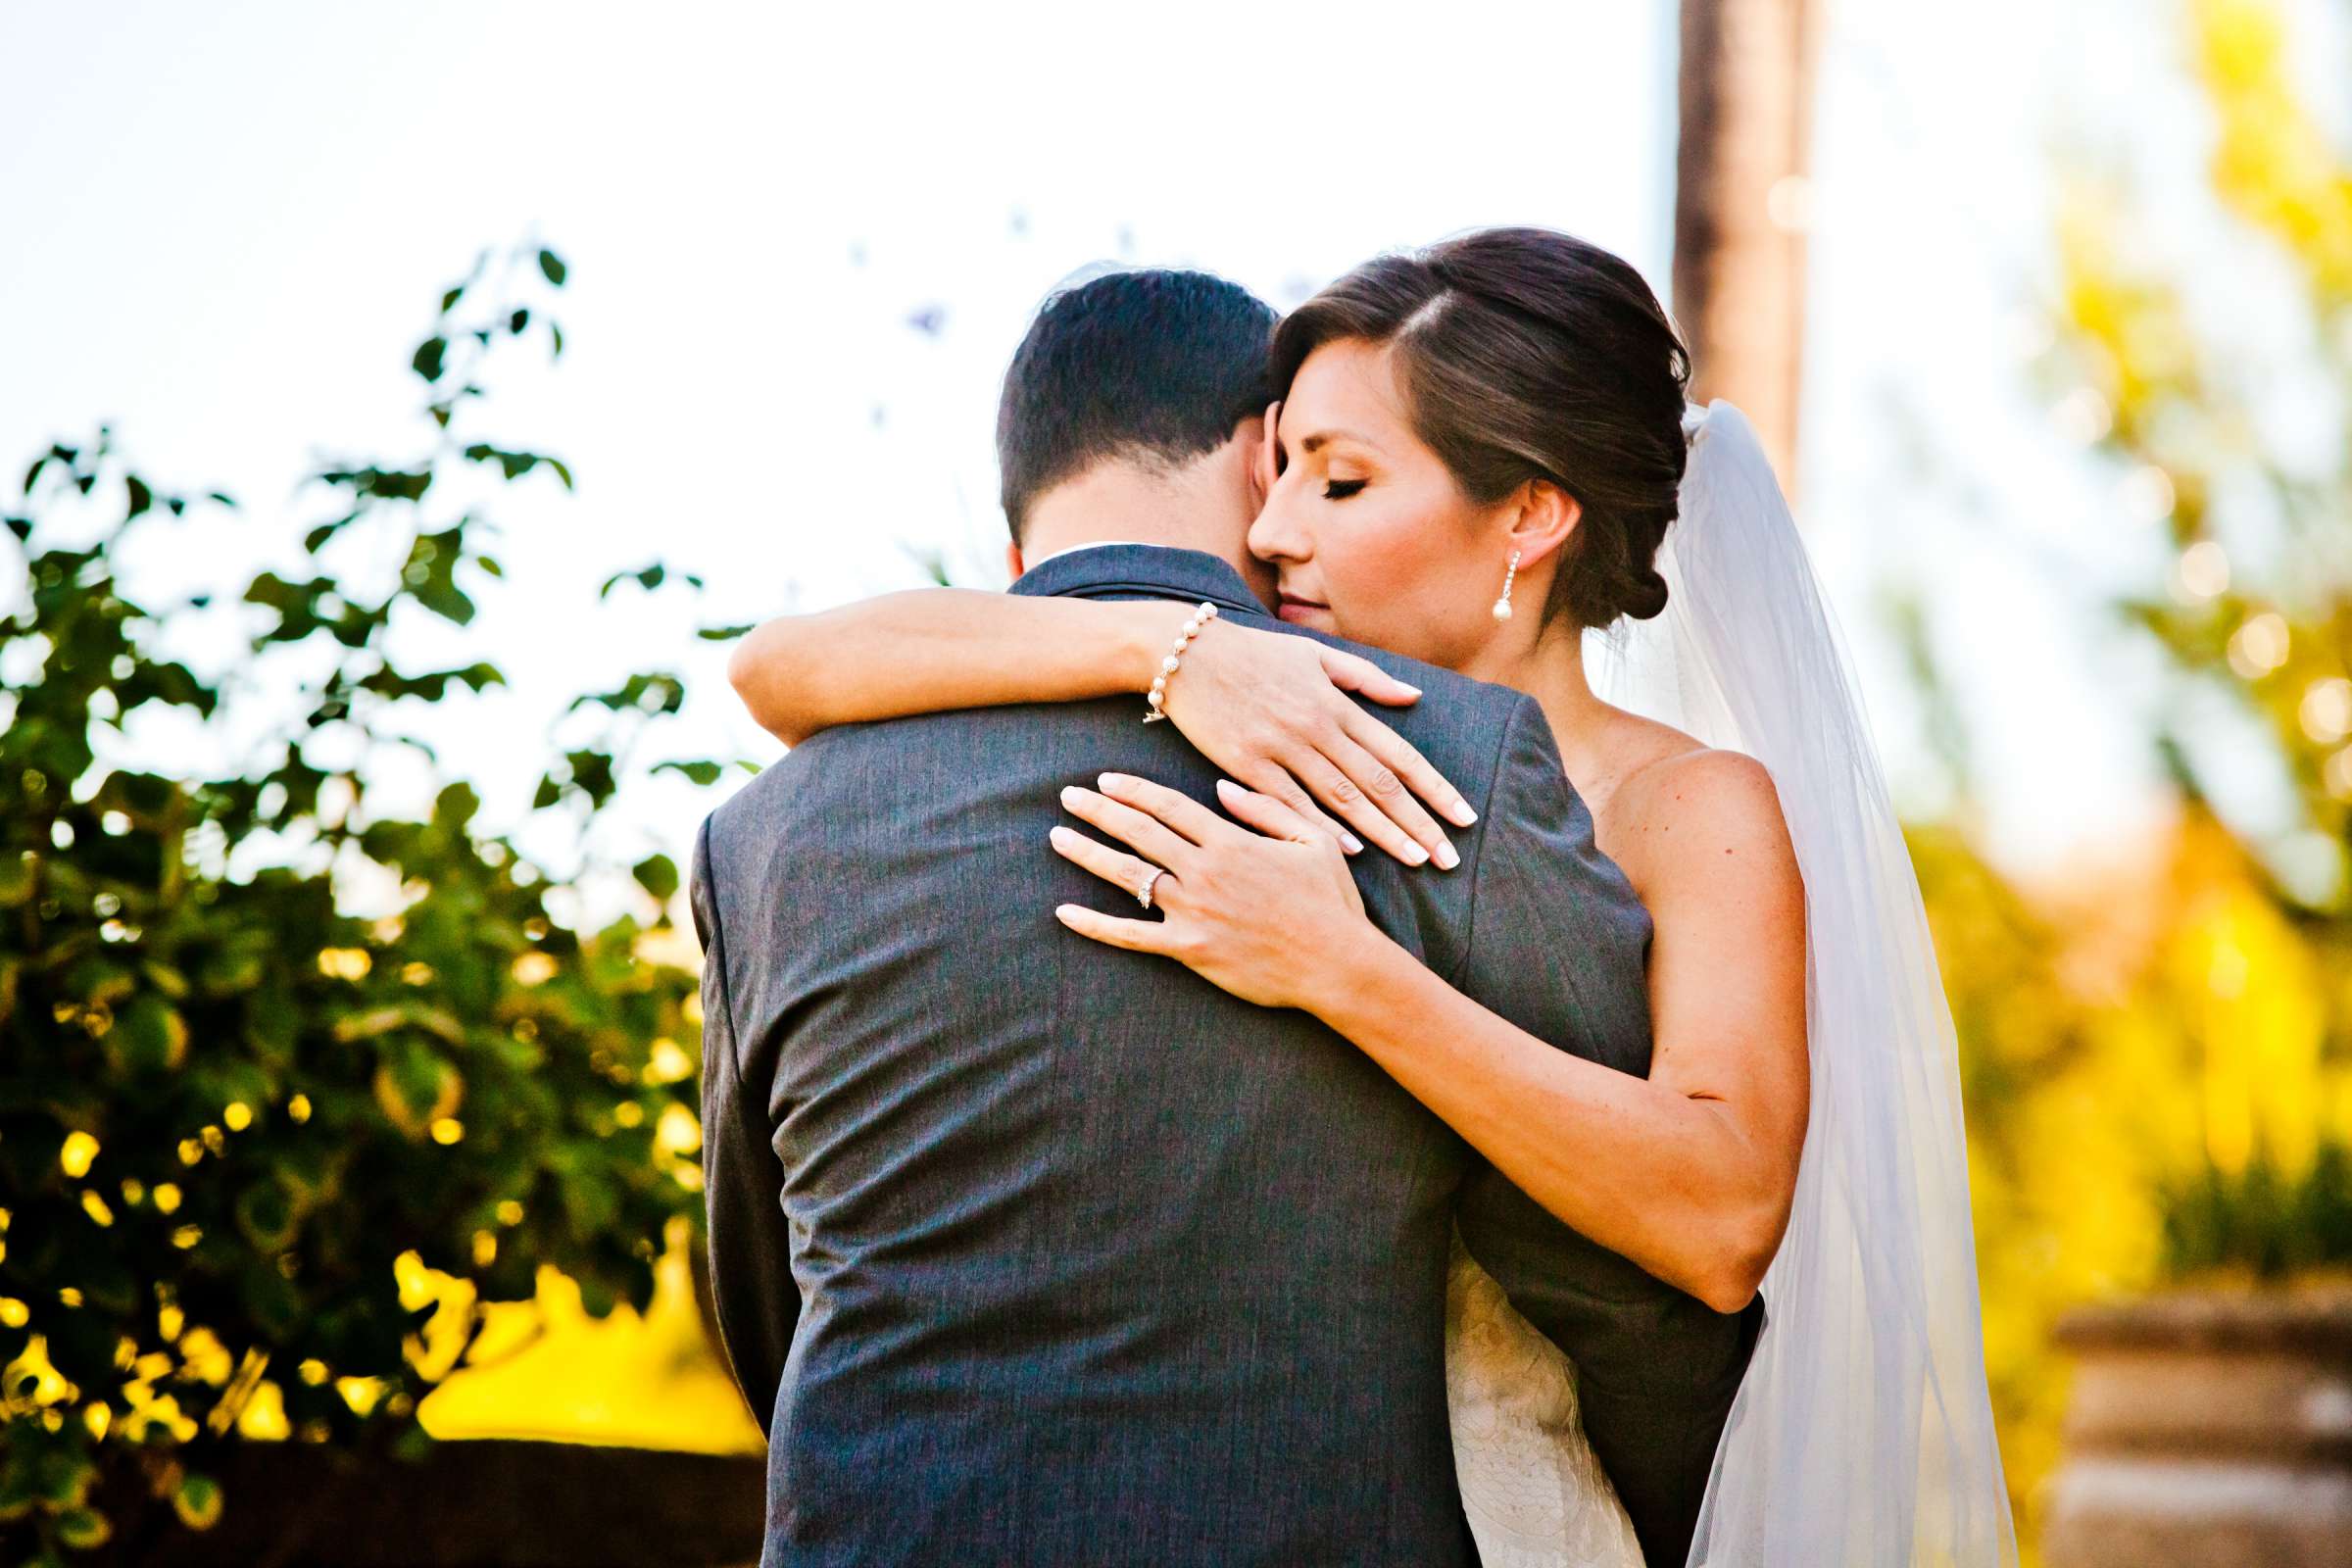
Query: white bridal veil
[{"x": 1863, "y": 1434}]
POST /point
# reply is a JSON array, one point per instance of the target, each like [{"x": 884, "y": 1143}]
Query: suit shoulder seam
[
  {"x": 717, "y": 955},
  {"x": 1485, "y": 825}
]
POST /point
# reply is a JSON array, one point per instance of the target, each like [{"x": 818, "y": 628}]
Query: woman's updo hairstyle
[{"x": 1527, "y": 354}]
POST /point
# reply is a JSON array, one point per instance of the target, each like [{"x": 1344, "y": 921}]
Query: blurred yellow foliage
[
  {"x": 2187, "y": 1017},
  {"x": 2271, "y": 162},
  {"x": 546, "y": 1370},
  {"x": 2162, "y": 1012}
]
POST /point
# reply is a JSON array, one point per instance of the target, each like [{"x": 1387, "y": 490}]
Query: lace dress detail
[{"x": 1536, "y": 1496}]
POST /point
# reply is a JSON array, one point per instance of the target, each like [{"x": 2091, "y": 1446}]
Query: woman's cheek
[{"x": 1387, "y": 569}]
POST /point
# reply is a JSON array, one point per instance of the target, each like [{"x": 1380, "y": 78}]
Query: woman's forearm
[
  {"x": 1668, "y": 1179},
  {"x": 938, "y": 648}
]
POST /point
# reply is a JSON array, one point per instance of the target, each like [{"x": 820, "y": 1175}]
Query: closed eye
[{"x": 1341, "y": 489}]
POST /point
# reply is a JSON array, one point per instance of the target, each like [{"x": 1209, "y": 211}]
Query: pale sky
[{"x": 223, "y": 229}]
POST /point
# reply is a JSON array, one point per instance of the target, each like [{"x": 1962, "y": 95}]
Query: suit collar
[{"x": 1152, "y": 572}]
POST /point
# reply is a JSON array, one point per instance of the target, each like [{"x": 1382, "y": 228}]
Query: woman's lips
[{"x": 1295, "y": 608}]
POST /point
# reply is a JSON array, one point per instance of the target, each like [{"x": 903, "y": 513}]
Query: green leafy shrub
[
  {"x": 242, "y": 1123},
  {"x": 2264, "y": 1221}
]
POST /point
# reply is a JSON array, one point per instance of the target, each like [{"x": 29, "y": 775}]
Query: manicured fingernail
[
  {"x": 1448, "y": 857},
  {"x": 1112, "y": 781},
  {"x": 1071, "y": 795},
  {"x": 1415, "y": 854},
  {"x": 1461, "y": 813},
  {"x": 1062, "y": 837},
  {"x": 1351, "y": 842}
]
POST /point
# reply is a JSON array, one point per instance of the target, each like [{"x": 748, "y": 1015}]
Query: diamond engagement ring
[{"x": 1142, "y": 895}]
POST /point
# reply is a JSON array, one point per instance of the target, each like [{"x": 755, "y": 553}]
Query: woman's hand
[
  {"x": 1272, "y": 710},
  {"x": 1266, "y": 915}
]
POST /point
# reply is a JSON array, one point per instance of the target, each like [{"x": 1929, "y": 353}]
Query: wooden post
[{"x": 1742, "y": 201}]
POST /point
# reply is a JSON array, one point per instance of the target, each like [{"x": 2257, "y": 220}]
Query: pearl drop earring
[{"x": 1510, "y": 573}]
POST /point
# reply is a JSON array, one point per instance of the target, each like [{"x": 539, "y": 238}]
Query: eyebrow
[{"x": 1324, "y": 438}]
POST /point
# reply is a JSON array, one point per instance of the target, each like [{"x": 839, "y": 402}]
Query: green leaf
[
  {"x": 267, "y": 1215},
  {"x": 414, "y": 1088},
  {"x": 553, "y": 267},
  {"x": 701, "y": 773},
  {"x": 197, "y": 1501},
  {"x": 140, "y": 498},
  {"x": 725, "y": 634},
  {"x": 658, "y": 875},
  {"x": 592, "y": 774},
  {"x": 96, "y": 982},
  {"x": 446, "y": 599},
  {"x": 649, "y": 691},
  {"x": 368, "y": 1025},
  {"x": 16, "y": 878},
  {"x": 149, "y": 1036},
  {"x": 395, "y": 485},
  {"x": 647, "y": 577},
  {"x": 431, "y": 358},
  {"x": 457, "y": 804},
  {"x": 82, "y": 1528}
]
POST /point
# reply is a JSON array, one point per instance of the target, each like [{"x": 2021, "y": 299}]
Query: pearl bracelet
[{"x": 1167, "y": 666}]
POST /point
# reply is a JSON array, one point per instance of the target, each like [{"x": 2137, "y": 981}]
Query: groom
[{"x": 1029, "y": 1251}]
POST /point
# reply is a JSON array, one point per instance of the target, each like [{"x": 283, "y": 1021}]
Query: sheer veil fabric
[{"x": 1863, "y": 1433}]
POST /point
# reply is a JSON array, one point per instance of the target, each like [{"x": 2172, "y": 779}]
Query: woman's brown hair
[{"x": 1527, "y": 354}]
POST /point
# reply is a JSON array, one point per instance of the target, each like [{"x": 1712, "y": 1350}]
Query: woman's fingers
[
  {"x": 1120, "y": 870},
  {"x": 1272, "y": 778},
  {"x": 1408, "y": 764},
  {"x": 1352, "y": 672},
  {"x": 1136, "y": 936},
  {"x": 1269, "y": 815},
  {"x": 1330, "y": 784},
  {"x": 1176, "y": 809},
  {"x": 1140, "y": 831},
  {"x": 1383, "y": 795}
]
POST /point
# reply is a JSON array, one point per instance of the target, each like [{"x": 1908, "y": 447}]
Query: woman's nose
[{"x": 1273, "y": 536}]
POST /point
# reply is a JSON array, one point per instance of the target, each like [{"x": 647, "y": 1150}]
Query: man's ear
[
  {"x": 1012, "y": 559},
  {"x": 1542, "y": 517},
  {"x": 1261, "y": 469}
]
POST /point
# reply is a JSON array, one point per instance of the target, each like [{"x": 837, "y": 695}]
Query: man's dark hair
[{"x": 1150, "y": 366}]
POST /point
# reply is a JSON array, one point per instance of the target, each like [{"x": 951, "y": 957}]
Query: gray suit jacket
[{"x": 1032, "y": 1250}]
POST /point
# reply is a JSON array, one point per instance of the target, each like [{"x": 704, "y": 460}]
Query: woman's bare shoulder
[{"x": 1679, "y": 806}]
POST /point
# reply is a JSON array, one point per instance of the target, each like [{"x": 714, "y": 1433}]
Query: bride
[{"x": 1475, "y": 459}]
